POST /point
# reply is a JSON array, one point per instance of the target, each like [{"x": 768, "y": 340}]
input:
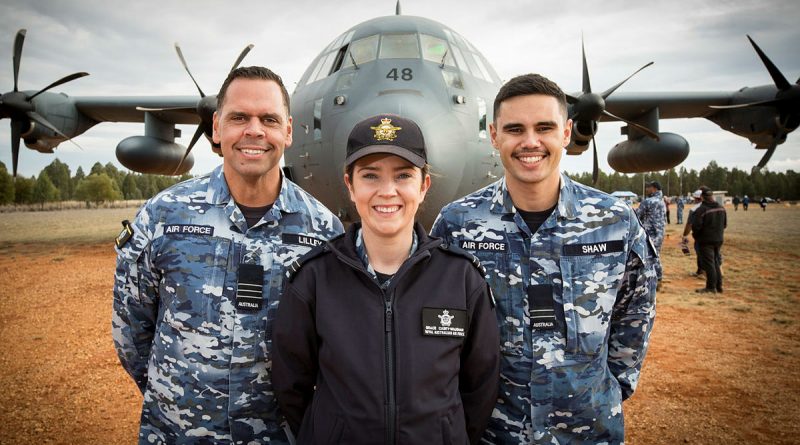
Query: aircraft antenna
[{"x": 397, "y": 10}]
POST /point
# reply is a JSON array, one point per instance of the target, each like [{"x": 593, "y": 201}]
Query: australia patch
[
  {"x": 594, "y": 248},
  {"x": 300, "y": 240},
  {"x": 441, "y": 322},
  {"x": 188, "y": 229},
  {"x": 484, "y": 246},
  {"x": 250, "y": 288}
]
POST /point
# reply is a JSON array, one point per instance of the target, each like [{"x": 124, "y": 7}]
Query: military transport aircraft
[{"x": 417, "y": 68}]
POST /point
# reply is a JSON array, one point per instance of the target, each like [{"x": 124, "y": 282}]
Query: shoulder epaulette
[
  {"x": 456, "y": 250},
  {"x": 297, "y": 264}
]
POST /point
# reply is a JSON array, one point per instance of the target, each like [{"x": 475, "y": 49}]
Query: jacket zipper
[{"x": 390, "y": 370}]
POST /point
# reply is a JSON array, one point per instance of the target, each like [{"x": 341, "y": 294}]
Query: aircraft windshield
[
  {"x": 362, "y": 51},
  {"x": 399, "y": 46},
  {"x": 436, "y": 50}
]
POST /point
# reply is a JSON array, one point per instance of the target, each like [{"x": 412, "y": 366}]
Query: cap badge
[{"x": 385, "y": 131}]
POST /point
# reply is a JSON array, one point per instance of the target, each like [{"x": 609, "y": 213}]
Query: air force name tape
[
  {"x": 439, "y": 322},
  {"x": 188, "y": 229},
  {"x": 300, "y": 240},
  {"x": 483, "y": 246}
]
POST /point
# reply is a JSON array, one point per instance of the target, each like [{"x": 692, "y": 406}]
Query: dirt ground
[{"x": 721, "y": 369}]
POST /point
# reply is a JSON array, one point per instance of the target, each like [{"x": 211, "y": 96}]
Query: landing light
[
  {"x": 339, "y": 100},
  {"x": 459, "y": 99}
]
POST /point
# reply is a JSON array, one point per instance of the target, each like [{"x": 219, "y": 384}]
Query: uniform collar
[
  {"x": 568, "y": 205},
  {"x": 656, "y": 194},
  {"x": 289, "y": 199}
]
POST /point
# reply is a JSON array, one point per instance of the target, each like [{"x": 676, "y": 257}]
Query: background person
[
  {"x": 679, "y": 209},
  {"x": 386, "y": 335},
  {"x": 199, "y": 275},
  {"x": 573, "y": 272},
  {"x": 652, "y": 213},
  {"x": 708, "y": 225}
]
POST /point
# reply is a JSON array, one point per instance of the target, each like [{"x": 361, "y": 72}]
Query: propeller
[
  {"x": 19, "y": 106},
  {"x": 786, "y": 100},
  {"x": 591, "y": 106},
  {"x": 206, "y": 105}
]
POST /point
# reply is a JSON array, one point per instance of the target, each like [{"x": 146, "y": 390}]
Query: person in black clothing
[
  {"x": 708, "y": 224},
  {"x": 385, "y": 335}
]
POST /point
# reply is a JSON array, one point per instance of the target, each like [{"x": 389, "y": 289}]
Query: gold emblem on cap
[{"x": 385, "y": 131}]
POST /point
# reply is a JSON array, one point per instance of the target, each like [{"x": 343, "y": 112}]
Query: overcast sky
[{"x": 127, "y": 47}]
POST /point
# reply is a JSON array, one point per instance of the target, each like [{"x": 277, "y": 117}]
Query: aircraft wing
[{"x": 170, "y": 109}]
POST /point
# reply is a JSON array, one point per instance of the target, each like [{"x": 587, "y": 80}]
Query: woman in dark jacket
[{"x": 384, "y": 335}]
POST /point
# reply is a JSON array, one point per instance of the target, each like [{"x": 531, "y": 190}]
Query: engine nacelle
[
  {"x": 582, "y": 134},
  {"x": 146, "y": 154},
  {"x": 646, "y": 154}
]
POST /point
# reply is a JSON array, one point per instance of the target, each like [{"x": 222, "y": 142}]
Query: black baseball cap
[
  {"x": 387, "y": 133},
  {"x": 655, "y": 184}
]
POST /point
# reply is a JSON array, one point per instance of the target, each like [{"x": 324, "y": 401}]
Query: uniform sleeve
[
  {"x": 294, "y": 356},
  {"x": 439, "y": 229},
  {"x": 697, "y": 221},
  {"x": 479, "y": 378},
  {"x": 135, "y": 306},
  {"x": 634, "y": 312}
]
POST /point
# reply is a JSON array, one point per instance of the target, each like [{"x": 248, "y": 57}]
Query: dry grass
[{"x": 722, "y": 369}]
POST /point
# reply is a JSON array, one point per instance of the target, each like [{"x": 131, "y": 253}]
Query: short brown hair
[
  {"x": 252, "y": 72},
  {"x": 530, "y": 84}
]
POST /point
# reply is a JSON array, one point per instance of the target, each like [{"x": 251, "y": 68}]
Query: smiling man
[
  {"x": 573, "y": 274},
  {"x": 199, "y": 276}
]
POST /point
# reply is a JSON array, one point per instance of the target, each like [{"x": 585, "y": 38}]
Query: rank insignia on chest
[
  {"x": 440, "y": 322},
  {"x": 250, "y": 288}
]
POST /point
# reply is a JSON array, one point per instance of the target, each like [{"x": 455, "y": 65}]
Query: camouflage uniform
[
  {"x": 202, "y": 365},
  {"x": 590, "y": 269},
  {"x": 652, "y": 212}
]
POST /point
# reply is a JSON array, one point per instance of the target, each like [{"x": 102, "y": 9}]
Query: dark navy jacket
[{"x": 409, "y": 363}]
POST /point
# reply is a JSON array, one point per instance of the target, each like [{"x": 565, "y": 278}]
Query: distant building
[{"x": 629, "y": 197}]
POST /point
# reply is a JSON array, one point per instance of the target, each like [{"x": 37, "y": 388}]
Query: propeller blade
[
  {"x": 61, "y": 81},
  {"x": 16, "y": 131},
  {"x": 608, "y": 92},
  {"x": 195, "y": 138},
  {"x": 36, "y": 117},
  {"x": 241, "y": 56},
  {"x": 571, "y": 99},
  {"x": 765, "y": 158},
  {"x": 18, "y": 41},
  {"x": 587, "y": 87},
  {"x": 595, "y": 168},
  {"x": 639, "y": 127},
  {"x": 763, "y": 103},
  {"x": 165, "y": 109},
  {"x": 774, "y": 72},
  {"x": 186, "y": 67}
]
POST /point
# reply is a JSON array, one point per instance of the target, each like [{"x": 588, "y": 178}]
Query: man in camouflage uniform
[
  {"x": 573, "y": 274},
  {"x": 652, "y": 212},
  {"x": 199, "y": 275}
]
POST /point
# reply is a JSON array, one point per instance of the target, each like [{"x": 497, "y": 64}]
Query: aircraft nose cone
[{"x": 590, "y": 106}]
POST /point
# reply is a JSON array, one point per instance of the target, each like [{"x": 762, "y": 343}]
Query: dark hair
[
  {"x": 252, "y": 72},
  {"x": 348, "y": 170},
  {"x": 527, "y": 84}
]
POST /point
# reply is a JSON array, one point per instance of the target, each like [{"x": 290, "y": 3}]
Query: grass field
[{"x": 721, "y": 369}]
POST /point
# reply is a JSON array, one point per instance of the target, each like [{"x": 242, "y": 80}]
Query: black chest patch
[
  {"x": 300, "y": 240},
  {"x": 440, "y": 322},
  {"x": 594, "y": 248},
  {"x": 188, "y": 229},
  {"x": 250, "y": 288},
  {"x": 484, "y": 246}
]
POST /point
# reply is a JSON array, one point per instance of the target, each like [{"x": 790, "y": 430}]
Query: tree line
[
  {"x": 784, "y": 186},
  {"x": 108, "y": 183},
  {"x": 103, "y": 183}
]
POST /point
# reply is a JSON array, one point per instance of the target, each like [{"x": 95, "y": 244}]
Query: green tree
[
  {"x": 97, "y": 188},
  {"x": 23, "y": 190},
  {"x": 6, "y": 186},
  {"x": 129, "y": 188},
  {"x": 44, "y": 190},
  {"x": 59, "y": 174}
]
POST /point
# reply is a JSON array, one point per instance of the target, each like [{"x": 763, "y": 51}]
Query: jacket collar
[
  {"x": 289, "y": 199},
  {"x": 568, "y": 205}
]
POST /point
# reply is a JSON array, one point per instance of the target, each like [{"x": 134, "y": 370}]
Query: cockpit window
[
  {"x": 436, "y": 50},
  {"x": 362, "y": 51},
  {"x": 399, "y": 46}
]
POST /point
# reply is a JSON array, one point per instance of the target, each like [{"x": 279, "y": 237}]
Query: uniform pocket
[
  {"x": 590, "y": 285},
  {"x": 504, "y": 275},
  {"x": 193, "y": 279}
]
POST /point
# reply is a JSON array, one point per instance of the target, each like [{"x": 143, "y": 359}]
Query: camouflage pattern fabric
[
  {"x": 203, "y": 365},
  {"x": 596, "y": 270},
  {"x": 652, "y": 212}
]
